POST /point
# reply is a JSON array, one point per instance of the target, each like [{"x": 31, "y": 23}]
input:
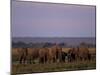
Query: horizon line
[{"x": 48, "y": 37}]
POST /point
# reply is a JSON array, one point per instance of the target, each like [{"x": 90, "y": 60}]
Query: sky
[{"x": 34, "y": 19}]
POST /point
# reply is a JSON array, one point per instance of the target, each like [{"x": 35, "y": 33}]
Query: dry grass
[{"x": 39, "y": 68}]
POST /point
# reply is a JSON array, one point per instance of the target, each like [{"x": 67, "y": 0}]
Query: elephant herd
[{"x": 51, "y": 55}]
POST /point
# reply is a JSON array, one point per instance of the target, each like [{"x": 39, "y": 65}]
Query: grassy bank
[{"x": 54, "y": 67}]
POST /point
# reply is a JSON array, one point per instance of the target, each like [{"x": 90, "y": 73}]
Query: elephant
[
  {"x": 84, "y": 54},
  {"x": 43, "y": 55},
  {"x": 15, "y": 54},
  {"x": 33, "y": 53},
  {"x": 79, "y": 53},
  {"x": 22, "y": 55},
  {"x": 51, "y": 57},
  {"x": 25, "y": 55},
  {"x": 54, "y": 54},
  {"x": 19, "y": 54},
  {"x": 72, "y": 54}
]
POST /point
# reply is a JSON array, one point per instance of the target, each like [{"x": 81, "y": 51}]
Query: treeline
[{"x": 48, "y": 44}]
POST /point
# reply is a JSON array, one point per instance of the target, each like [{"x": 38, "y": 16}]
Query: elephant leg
[
  {"x": 41, "y": 60},
  {"x": 50, "y": 60},
  {"x": 69, "y": 60},
  {"x": 80, "y": 58},
  {"x": 77, "y": 58},
  {"x": 45, "y": 59},
  {"x": 20, "y": 59},
  {"x": 30, "y": 60},
  {"x": 86, "y": 58},
  {"x": 60, "y": 58},
  {"x": 53, "y": 59},
  {"x": 89, "y": 57},
  {"x": 73, "y": 58},
  {"x": 63, "y": 58},
  {"x": 24, "y": 59},
  {"x": 83, "y": 59}
]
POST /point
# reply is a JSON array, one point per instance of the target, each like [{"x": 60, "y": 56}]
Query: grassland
[{"x": 39, "y": 68}]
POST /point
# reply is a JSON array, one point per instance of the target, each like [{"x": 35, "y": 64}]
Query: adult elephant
[
  {"x": 22, "y": 55},
  {"x": 43, "y": 55},
  {"x": 73, "y": 54},
  {"x": 84, "y": 54},
  {"x": 54, "y": 54},
  {"x": 33, "y": 53},
  {"x": 25, "y": 55},
  {"x": 15, "y": 54},
  {"x": 79, "y": 53}
]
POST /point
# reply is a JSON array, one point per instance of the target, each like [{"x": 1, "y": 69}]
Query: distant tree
[
  {"x": 14, "y": 44},
  {"x": 30, "y": 44},
  {"x": 83, "y": 44},
  {"x": 21, "y": 44},
  {"x": 62, "y": 44},
  {"x": 47, "y": 44},
  {"x": 91, "y": 45}
]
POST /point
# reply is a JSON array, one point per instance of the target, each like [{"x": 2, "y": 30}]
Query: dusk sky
[{"x": 31, "y": 19}]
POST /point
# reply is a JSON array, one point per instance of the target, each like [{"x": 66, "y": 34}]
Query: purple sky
[{"x": 31, "y": 19}]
